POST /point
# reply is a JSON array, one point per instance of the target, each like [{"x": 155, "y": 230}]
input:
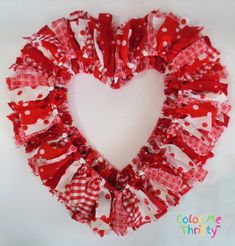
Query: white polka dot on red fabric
[
  {"x": 42, "y": 151},
  {"x": 164, "y": 29},
  {"x": 25, "y": 104},
  {"x": 118, "y": 42},
  {"x": 164, "y": 43},
  {"x": 41, "y": 169},
  {"x": 177, "y": 29},
  {"x": 27, "y": 112},
  {"x": 130, "y": 65},
  {"x": 195, "y": 107},
  {"x": 209, "y": 114},
  {"x": 145, "y": 53},
  {"x": 124, "y": 42}
]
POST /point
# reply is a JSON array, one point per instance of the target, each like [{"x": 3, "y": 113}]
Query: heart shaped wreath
[{"x": 194, "y": 114}]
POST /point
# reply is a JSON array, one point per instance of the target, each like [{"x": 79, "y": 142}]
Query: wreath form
[{"x": 194, "y": 114}]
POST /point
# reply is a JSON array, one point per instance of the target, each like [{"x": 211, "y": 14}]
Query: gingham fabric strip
[
  {"x": 194, "y": 114},
  {"x": 166, "y": 179}
]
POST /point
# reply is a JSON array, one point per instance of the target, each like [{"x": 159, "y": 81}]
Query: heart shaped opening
[{"x": 116, "y": 122}]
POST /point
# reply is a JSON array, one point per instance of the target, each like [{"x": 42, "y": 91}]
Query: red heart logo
[{"x": 193, "y": 116}]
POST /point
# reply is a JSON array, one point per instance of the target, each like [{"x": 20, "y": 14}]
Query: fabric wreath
[{"x": 194, "y": 114}]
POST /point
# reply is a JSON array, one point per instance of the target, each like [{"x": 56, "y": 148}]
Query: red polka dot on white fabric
[
  {"x": 107, "y": 196},
  {"x": 147, "y": 217},
  {"x": 157, "y": 192},
  {"x": 204, "y": 124},
  {"x": 82, "y": 32},
  {"x": 183, "y": 21},
  {"x": 146, "y": 201}
]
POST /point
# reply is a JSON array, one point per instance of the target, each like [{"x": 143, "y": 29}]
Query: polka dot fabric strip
[{"x": 194, "y": 114}]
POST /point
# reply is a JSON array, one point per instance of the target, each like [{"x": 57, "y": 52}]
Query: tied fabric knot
[
  {"x": 84, "y": 190},
  {"x": 69, "y": 173}
]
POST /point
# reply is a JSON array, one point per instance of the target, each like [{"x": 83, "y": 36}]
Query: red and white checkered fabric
[
  {"x": 151, "y": 41},
  {"x": 225, "y": 107},
  {"x": 61, "y": 31},
  {"x": 165, "y": 179},
  {"x": 130, "y": 203},
  {"x": 84, "y": 192},
  {"x": 23, "y": 80},
  {"x": 196, "y": 175},
  {"x": 216, "y": 133},
  {"x": 188, "y": 55},
  {"x": 119, "y": 215},
  {"x": 196, "y": 144}
]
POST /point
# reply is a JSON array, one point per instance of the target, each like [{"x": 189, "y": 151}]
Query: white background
[{"x": 117, "y": 123}]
